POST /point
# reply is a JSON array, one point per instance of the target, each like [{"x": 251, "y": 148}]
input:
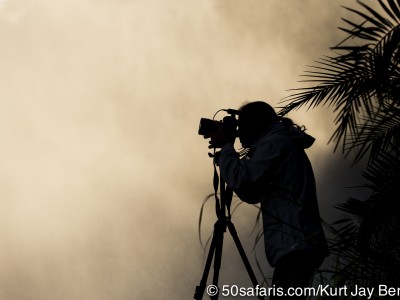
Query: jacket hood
[{"x": 301, "y": 138}]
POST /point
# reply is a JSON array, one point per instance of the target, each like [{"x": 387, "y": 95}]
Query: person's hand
[{"x": 219, "y": 139}]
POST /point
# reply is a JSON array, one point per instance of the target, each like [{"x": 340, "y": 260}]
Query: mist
[{"x": 102, "y": 171}]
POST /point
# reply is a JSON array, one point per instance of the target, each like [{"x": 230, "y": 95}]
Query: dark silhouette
[{"x": 276, "y": 173}]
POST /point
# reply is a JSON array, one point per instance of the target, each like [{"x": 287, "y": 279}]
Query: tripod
[{"x": 223, "y": 222}]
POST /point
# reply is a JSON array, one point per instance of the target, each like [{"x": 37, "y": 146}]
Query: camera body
[{"x": 209, "y": 127}]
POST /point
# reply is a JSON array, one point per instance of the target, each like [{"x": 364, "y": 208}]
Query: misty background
[{"x": 102, "y": 171}]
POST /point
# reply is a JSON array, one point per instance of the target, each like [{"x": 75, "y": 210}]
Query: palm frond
[
  {"x": 362, "y": 76},
  {"x": 380, "y": 133}
]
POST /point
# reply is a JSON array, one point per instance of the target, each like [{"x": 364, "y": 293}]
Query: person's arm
[
  {"x": 248, "y": 192},
  {"x": 236, "y": 171}
]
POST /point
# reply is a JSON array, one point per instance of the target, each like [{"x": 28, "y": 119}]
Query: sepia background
[{"x": 102, "y": 173}]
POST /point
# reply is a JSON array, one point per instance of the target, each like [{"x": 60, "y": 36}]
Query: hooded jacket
[{"x": 277, "y": 173}]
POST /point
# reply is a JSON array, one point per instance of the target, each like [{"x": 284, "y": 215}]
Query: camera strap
[
  {"x": 225, "y": 198},
  {"x": 216, "y": 184}
]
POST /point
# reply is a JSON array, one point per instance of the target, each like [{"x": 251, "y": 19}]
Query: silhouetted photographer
[{"x": 276, "y": 173}]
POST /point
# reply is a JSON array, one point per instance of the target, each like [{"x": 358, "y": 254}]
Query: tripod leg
[
  {"x": 220, "y": 228},
  {"x": 242, "y": 253},
  {"x": 215, "y": 249},
  {"x": 199, "y": 292}
]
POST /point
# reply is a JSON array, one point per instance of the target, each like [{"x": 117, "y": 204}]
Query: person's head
[{"x": 254, "y": 119}]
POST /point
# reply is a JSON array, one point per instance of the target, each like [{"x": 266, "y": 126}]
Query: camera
[{"x": 228, "y": 125}]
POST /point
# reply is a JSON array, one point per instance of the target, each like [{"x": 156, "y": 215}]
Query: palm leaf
[
  {"x": 360, "y": 78},
  {"x": 380, "y": 133}
]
